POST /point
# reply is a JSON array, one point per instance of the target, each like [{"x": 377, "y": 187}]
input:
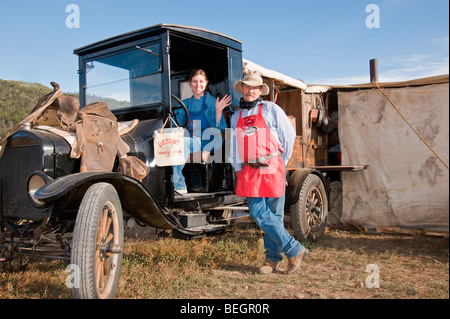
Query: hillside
[{"x": 17, "y": 99}]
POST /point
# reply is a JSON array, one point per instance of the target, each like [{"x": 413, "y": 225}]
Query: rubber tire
[
  {"x": 84, "y": 250},
  {"x": 299, "y": 211}
]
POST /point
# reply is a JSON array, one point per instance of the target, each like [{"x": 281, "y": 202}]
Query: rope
[
  {"x": 165, "y": 122},
  {"x": 406, "y": 120}
]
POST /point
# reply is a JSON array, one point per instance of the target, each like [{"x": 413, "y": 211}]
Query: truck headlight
[{"x": 35, "y": 181}]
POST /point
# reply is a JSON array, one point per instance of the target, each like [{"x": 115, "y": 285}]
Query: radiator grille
[{"x": 15, "y": 166}]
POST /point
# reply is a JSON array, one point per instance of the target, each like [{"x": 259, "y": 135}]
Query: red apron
[{"x": 254, "y": 139}]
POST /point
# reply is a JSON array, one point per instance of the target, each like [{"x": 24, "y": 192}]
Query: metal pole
[
  {"x": 273, "y": 91},
  {"x": 373, "y": 70}
]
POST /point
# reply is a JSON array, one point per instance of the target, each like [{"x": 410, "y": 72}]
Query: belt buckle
[{"x": 261, "y": 159}]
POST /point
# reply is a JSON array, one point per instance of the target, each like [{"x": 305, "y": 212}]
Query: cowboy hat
[{"x": 251, "y": 79}]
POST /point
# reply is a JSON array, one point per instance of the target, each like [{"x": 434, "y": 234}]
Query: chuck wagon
[{"x": 51, "y": 205}]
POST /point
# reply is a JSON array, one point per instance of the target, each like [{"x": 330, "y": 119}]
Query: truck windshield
[{"x": 127, "y": 79}]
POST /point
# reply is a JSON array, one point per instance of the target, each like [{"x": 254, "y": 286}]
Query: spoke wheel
[
  {"x": 97, "y": 243},
  {"x": 309, "y": 214},
  {"x": 108, "y": 242},
  {"x": 314, "y": 209}
]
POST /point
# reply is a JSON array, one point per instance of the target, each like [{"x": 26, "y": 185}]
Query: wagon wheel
[
  {"x": 97, "y": 243},
  {"x": 309, "y": 214}
]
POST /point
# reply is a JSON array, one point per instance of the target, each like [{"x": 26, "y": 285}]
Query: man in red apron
[{"x": 264, "y": 138}]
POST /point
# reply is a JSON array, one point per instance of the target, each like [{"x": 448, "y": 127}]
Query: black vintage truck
[{"x": 51, "y": 208}]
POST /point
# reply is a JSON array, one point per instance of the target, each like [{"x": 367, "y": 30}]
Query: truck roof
[{"x": 158, "y": 29}]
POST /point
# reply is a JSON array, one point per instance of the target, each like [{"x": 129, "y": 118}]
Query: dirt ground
[{"x": 344, "y": 264}]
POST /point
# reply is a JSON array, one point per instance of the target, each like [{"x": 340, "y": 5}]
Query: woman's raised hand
[{"x": 223, "y": 103}]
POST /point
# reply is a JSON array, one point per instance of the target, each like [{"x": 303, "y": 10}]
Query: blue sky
[{"x": 320, "y": 42}]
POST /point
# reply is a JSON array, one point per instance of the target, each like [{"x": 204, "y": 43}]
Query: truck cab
[{"x": 143, "y": 75}]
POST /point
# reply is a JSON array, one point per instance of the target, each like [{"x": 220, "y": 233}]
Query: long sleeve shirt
[
  {"x": 196, "y": 105},
  {"x": 277, "y": 122}
]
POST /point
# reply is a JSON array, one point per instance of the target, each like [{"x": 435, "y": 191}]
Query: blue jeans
[
  {"x": 191, "y": 145},
  {"x": 268, "y": 212}
]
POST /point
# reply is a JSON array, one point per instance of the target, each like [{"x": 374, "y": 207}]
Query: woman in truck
[{"x": 205, "y": 112}]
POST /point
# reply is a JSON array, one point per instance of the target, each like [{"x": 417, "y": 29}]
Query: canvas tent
[{"x": 407, "y": 182}]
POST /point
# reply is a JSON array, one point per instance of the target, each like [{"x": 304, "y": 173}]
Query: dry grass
[{"x": 224, "y": 266}]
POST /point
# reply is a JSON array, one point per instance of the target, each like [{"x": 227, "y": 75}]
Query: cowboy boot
[
  {"x": 268, "y": 267},
  {"x": 296, "y": 262}
]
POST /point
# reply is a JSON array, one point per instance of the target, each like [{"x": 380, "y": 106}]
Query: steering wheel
[{"x": 181, "y": 106}]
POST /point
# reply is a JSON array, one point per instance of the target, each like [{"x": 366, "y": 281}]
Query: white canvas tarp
[{"x": 405, "y": 184}]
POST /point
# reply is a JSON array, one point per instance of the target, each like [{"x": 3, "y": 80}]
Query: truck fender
[
  {"x": 136, "y": 201},
  {"x": 295, "y": 183}
]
